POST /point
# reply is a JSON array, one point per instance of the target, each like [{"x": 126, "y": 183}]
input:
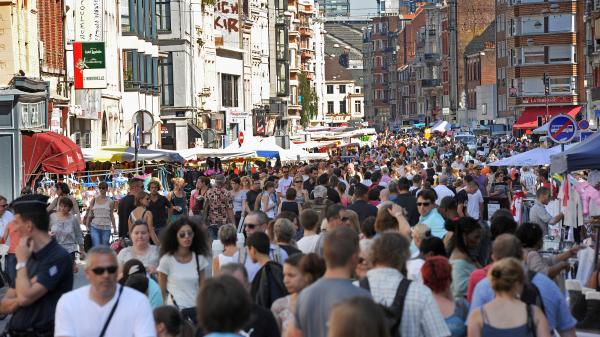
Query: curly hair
[{"x": 169, "y": 243}]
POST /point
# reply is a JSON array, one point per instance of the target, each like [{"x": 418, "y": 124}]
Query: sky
[{"x": 363, "y": 7}]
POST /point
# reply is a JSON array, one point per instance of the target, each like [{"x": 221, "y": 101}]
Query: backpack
[
  {"x": 393, "y": 313},
  {"x": 531, "y": 294}
]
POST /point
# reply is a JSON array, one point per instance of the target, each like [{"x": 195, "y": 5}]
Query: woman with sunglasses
[
  {"x": 100, "y": 217},
  {"x": 301, "y": 193},
  {"x": 183, "y": 264}
]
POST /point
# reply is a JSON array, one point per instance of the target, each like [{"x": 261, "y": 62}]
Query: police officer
[{"x": 44, "y": 271}]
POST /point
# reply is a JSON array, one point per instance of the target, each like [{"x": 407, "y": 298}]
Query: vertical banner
[{"x": 89, "y": 23}]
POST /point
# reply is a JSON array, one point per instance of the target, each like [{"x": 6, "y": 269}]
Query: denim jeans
[
  {"x": 100, "y": 237},
  {"x": 10, "y": 268}
]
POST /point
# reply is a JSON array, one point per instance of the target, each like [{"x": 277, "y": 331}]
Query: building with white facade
[{"x": 344, "y": 99}]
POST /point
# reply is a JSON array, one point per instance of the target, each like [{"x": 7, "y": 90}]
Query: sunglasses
[
  {"x": 298, "y": 182},
  {"x": 251, "y": 225},
  {"x": 423, "y": 204},
  {"x": 183, "y": 235},
  {"x": 102, "y": 270}
]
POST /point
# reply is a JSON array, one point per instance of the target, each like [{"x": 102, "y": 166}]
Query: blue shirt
[
  {"x": 555, "y": 305},
  {"x": 435, "y": 222}
]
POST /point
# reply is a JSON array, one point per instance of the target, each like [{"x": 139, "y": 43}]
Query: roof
[
  {"x": 334, "y": 71},
  {"x": 344, "y": 34},
  {"x": 478, "y": 43}
]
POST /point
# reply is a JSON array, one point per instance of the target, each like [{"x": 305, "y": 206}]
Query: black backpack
[
  {"x": 531, "y": 294},
  {"x": 393, "y": 313}
]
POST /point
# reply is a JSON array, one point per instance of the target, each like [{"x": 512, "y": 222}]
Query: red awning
[
  {"x": 50, "y": 152},
  {"x": 528, "y": 119}
]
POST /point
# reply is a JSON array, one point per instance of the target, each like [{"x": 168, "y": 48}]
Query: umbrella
[{"x": 124, "y": 153}]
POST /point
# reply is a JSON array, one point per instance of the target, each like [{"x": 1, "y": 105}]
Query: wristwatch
[{"x": 21, "y": 265}]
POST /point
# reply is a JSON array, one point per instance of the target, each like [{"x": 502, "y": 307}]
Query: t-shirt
[
  {"x": 556, "y": 308},
  {"x": 149, "y": 259},
  {"x": 126, "y": 206},
  {"x": 284, "y": 184},
  {"x": 315, "y": 302},
  {"x": 77, "y": 315},
  {"x": 442, "y": 191},
  {"x": 308, "y": 244},
  {"x": 251, "y": 198},
  {"x": 363, "y": 209},
  {"x": 182, "y": 282},
  {"x": 5, "y": 219},
  {"x": 53, "y": 268},
  {"x": 159, "y": 212},
  {"x": 473, "y": 205}
]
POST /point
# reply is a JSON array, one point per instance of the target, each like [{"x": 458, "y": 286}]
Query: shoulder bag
[{"x": 112, "y": 312}]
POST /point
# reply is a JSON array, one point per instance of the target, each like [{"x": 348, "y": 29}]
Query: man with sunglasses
[
  {"x": 86, "y": 311},
  {"x": 429, "y": 213},
  {"x": 44, "y": 271}
]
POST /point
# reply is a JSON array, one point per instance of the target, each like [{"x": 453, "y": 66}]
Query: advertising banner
[
  {"x": 89, "y": 20},
  {"x": 90, "y": 65}
]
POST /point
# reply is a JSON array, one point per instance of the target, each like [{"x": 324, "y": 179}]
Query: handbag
[
  {"x": 112, "y": 312},
  {"x": 189, "y": 314}
]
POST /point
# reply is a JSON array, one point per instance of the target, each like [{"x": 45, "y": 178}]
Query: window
[
  {"x": 149, "y": 72},
  {"x": 342, "y": 89},
  {"x": 141, "y": 18},
  {"x": 561, "y": 54},
  {"x": 532, "y": 25},
  {"x": 229, "y": 90},
  {"x": 128, "y": 15},
  {"x": 342, "y": 107},
  {"x": 155, "y": 75},
  {"x": 142, "y": 71},
  {"x": 562, "y": 85},
  {"x": 329, "y": 107},
  {"x": 357, "y": 106},
  {"x": 163, "y": 15},
  {"x": 484, "y": 109},
  {"x": 130, "y": 70},
  {"x": 564, "y": 22},
  {"x": 533, "y": 55},
  {"x": 357, "y": 90},
  {"x": 32, "y": 115},
  {"x": 330, "y": 89},
  {"x": 165, "y": 75}
]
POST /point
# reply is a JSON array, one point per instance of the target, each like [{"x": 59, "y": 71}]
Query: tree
[{"x": 308, "y": 100}]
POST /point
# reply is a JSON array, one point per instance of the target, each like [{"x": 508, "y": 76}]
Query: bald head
[{"x": 507, "y": 245}]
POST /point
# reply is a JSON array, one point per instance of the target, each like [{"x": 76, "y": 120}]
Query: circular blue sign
[
  {"x": 583, "y": 124},
  {"x": 562, "y": 129}
]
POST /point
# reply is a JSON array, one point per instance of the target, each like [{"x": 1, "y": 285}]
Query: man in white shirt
[
  {"x": 284, "y": 183},
  {"x": 86, "y": 311},
  {"x": 441, "y": 190},
  {"x": 5, "y": 215},
  {"x": 475, "y": 201}
]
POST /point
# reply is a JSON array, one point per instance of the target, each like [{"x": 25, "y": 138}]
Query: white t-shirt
[
  {"x": 413, "y": 269},
  {"x": 5, "y": 219},
  {"x": 442, "y": 191},
  {"x": 473, "y": 204},
  {"x": 182, "y": 279},
  {"x": 77, "y": 315},
  {"x": 149, "y": 260},
  {"x": 308, "y": 244},
  {"x": 284, "y": 184}
]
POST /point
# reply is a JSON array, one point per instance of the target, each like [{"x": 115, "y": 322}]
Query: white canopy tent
[
  {"x": 199, "y": 152},
  {"x": 441, "y": 126},
  {"x": 267, "y": 147},
  {"x": 535, "y": 157}
]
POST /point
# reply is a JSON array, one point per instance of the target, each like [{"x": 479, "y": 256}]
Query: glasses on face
[
  {"x": 344, "y": 219},
  {"x": 4, "y": 206},
  {"x": 251, "y": 226},
  {"x": 103, "y": 188},
  {"x": 423, "y": 204},
  {"x": 298, "y": 181},
  {"x": 102, "y": 270},
  {"x": 183, "y": 235}
]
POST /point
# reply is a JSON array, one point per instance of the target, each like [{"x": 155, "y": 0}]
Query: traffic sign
[
  {"x": 583, "y": 124},
  {"x": 562, "y": 129},
  {"x": 241, "y": 138}
]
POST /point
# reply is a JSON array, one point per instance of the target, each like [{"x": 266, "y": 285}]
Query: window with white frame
[
  {"x": 529, "y": 86},
  {"x": 533, "y": 55},
  {"x": 562, "y": 85},
  {"x": 561, "y": 54},
  {"x": 564, "y": 22},
  {"x": 533, "y": 24},
  {"x": 357, "y": 106}
]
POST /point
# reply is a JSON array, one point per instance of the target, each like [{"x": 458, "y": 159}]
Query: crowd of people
[{"x": 389, "y": 240}]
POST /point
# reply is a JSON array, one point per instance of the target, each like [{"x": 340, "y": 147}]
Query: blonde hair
[
  {"x": 178, "y": 181},
  {"x": 505, "y": 274},
  {"x": 421, "y": 231}
]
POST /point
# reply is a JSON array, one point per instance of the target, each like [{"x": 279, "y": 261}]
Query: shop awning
[
  {"x": 123, "y": 153},
  {"x": 50, "y": 152},
  {"x": 528, "y": 119}
]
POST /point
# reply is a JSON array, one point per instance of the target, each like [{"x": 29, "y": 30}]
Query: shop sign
[
  {"x": 89, "y": 20},
  {"x": 542, "y": 100},
  {"x": 90, "y": 65}
]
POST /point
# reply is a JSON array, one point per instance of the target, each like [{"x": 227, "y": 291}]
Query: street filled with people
[{"x": 413, "y": 235}]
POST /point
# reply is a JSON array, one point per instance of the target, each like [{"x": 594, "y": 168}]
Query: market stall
[
  {"x": 582, "y": 156},
  {"x": 124, "y": 153},
  {"x": 535, "y": 157}
]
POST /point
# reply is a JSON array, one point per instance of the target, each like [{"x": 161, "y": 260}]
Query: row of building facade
[
  {"x": 204, "y": 70},
  {"x": 513, "y": 62}
]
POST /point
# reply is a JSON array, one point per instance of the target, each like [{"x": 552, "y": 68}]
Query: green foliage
[
  {"x": 209, "y": 2},
  {"x": 309, "y": 100}
]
